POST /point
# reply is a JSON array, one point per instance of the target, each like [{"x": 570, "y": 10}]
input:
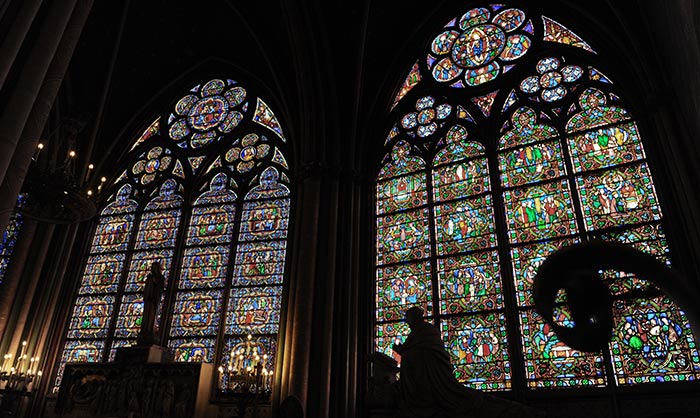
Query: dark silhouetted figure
[
  {"x": 153, "y": 289},
  {"x": 428, "y": 387}
]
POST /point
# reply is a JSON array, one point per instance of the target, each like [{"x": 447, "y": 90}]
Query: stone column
[
  {"x": 16, "y": 35},
  {"x": 10, "y": 283},
  {"x": 27, "y": 143},
  {"x": 33, "y": 73}
]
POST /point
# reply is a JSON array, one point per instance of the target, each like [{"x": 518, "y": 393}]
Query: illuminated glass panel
[
  {"x": 537, "y": 212},
  {"x": 556, "y": 32},
  {"x": 158, "y": 229},
  {"x": 531, "y": 163},
  {"x": 204, "y": 267},
  {"x": 526, "y": 260},
  {"x": 462, "y": 179},
  {"x": 195, "y": 350},
  {"x": 465, "y": 225},
  {"x": 389, "y": 334},
  {"x": 91, "y": 317},
  {"x": 470, "y": 283},
  {"x": 259, "y": 263},
  {"x": 102, "y": 273},
  {"x": 605, "y": 147},
  {"x": 620, "y": 196},
  {"x": 130, "y": 316},
  {"x": 254, "y": 310},
  {"x": 112, "y": 233},
  {"x": 404, "y": 192},
  {"x": 401, "y": 287},
  {"x": 10, "y": 236},
  {"x": 652, "y": 343},
  {"x": 78, "y": 352},
  {"x": 478, "y": 348},
  {"x": 265, "y": 220},
  {"x": 551, "y": 363},
  {"x": 402, "y": 236},
  {"x": 196, "y": 313},
  {"x": 211, "y": 225}
]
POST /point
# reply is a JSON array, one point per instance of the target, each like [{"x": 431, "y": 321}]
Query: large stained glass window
[
  {"x": 206, "y": 196},
  {"x": 507, "y": 145}
]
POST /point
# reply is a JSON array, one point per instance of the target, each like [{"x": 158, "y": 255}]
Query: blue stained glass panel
[
  {"x": 402, "y": 286},
  {"x": 211, "y": 225},
  {"x": 141, "y": 266},
  {"x": 204, "y": 267},
  {"x": 259, "y": 263},
  {"x": 198, "y": 350},
  {"x": 158, "y": 229},
  {"x": 263, "y": 220},
  {"x": 196, "y": 313},
  {"x": 102, "y": 274},
  {"x": 91, "y": 317},
  {"x": 112, "y": 234},
  {"x": 254, "y": 310},
  {"x": 130, "y": 317}
]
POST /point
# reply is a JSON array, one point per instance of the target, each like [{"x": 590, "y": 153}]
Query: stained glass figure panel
[
  {"x": 399, "y": 193},
  {"x": 264, "y": 220},
  {"x": 130, "y": 317},
  {"x": 531, "y": 163},
  {"x": 526, "y": 260},
  {"x": 620, "y": 196},
  {"x": 402, "y": 236},
  {"x": 463, "y": 179},
  {"x": 259, "y": 263},
  {"x": 388, "y": 334},
  {"x": 204, "y": 267},
  {"x": 193, "y": 350},
  {"x": 211, "y": 225},
  {"x": 113, "y": 233},
  {"x": 465, "y": 225},
  {"x": 158, "y": 229},
  {"x": 479, "y": 351},
  {"x": 652, "y": 343},
  {"x": 91, "y": 317},
  {"x": 102, "y": 274},
  {"x": 403, "y": 286},
  {"x": 605, "y": 147},
  {"x": 549, "y": 362},
  {"x": 539, "y": 212},
  {"x": 78, "y": 352},
  {"x": 254, "y": 310},
  {"x": 141, "y": 265},
  {"x": 470, "y": 283},
  {"x": 196, "y": 313}
]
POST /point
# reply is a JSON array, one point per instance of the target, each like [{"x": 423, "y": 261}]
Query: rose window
[
  {"x": 477, "y": 45},
  {"x": 207, "y": 112},
  {"x": 157, "y": 160},
  {"x": 424, "y": 121},
  {"x": 251, "y": 149},
  {"x": 550, "y": 82}
]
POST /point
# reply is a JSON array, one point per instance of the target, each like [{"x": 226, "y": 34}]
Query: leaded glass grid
[{"x": 537, "y": 151}]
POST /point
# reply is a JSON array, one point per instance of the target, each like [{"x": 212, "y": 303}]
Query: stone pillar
[
  {"x": 27, "y": 143},
  {"x": 24, "y": 94},
  {"x": 16, "y": 35},
  {"x": 13, "y": 274}
]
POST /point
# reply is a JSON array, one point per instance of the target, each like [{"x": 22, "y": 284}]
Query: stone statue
[
  {"x": 427, "y": 386},
  {"x": 153, "y": 289}
]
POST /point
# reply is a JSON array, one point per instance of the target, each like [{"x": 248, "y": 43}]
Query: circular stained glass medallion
[{"x": 208, "y": 113}]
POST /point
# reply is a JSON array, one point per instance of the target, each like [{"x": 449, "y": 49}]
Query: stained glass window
[
  {"x": 204, "y": 194},
  {"x": 469, "y": 205},
  {"x": 10, "y": 236}
]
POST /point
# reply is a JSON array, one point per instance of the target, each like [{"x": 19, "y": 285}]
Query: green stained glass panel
[
  {"x": 550, "y": 363},
  {"x": 102, "y": 273},
  {"x": 402, "y": 236},
  {"x": 404, "y": 192},
  {"x": 91, "y": 317},
  {"x": 466, "y": 225},
  {"x": 526, "y": 260},
  {"x": 539, "y": 212},
  {"x": 605, "y": 147},
  {"x": 617, "y": 197},
  {"x": 196, "y": 350},
  {"x": 389, "y": 334},
  {"x": 403, "y": 286},
  {"x": 531, "y": 163},
  {"x": 470, "y": 283},
  {"x": 211, "y": 225},
  {"x": 466, "y": 178},
  {"x": 652, "y": 342},
  {"x": 478, "y": 349},
  {"x": 457, "y": 151},
  {"x": 204, "y": 267}
]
